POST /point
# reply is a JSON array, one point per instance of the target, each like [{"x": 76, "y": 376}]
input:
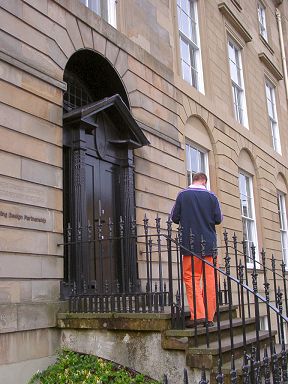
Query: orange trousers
[{"x": 199, "y": 265}]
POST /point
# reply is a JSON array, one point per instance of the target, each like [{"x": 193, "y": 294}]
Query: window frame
[
  {"x": 238, "y": 88},
  {"x": 273, "y": 119},
  {"x": 251, "y": 219},
  {"x": 203, "y": 152},
  {"x": 262, "y": 20},
  {"x": 96, "y": 7},
  {"x": 193, "y": 47},
  {"x": 282, "y": 214}
]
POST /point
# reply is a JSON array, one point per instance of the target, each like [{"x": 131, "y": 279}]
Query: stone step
[
  {"x": 238, "y": 363},
  {"x": 223, "y": 312},
  {"x": 208, "y": 356},
  {"x": 184, "y": 338}
]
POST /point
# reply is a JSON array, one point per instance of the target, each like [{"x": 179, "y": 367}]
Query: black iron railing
[
  {"x": 253, "y": 371},
  {"x": 121, "y": 268}
]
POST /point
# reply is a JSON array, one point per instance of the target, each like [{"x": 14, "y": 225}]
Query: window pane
[
  {"x": 247, "y": 212},
  {"x": 189, "y": 46},
  {"x": 195, "y": 161},
  {"x": 262, "y": 20},
  {"x": 271, "y": 108},
  {"x": 237, "y": 82},
  {"x": 202, "y": 162},
  {"x": 283, "y": 226},
  {"x": 94, "y": 5},
  {"x": 185, "y": 52},
  {"x": 103, "y": 8}
]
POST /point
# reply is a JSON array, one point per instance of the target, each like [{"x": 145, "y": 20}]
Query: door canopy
[{"x": 129, "y": 133}]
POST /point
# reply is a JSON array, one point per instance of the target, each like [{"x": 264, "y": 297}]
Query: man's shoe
[
  {"x": 209, "y": 324},
  {"x": 194, "y": 323}
]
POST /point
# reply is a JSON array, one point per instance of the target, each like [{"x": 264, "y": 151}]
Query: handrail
[{"x": 237, "y": 281}]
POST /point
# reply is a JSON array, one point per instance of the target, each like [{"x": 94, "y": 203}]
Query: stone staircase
[
  {"x": 198, "y": 354},
  {"x": 187, "y": 346}
]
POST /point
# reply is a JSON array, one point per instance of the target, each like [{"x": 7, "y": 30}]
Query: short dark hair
[{"x": 199, "y": 176}]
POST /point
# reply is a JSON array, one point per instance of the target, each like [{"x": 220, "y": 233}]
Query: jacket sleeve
[
  {"x": 176, "y": 211},
  {"x": 218, "y": 217}
]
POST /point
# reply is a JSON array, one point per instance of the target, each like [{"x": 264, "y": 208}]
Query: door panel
[{"x": 102, "y": 192}]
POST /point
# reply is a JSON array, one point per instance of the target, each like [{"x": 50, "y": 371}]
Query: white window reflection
[
  {"x": 248, "y": 216},
  {"x": 190, "y": 51},
  {"x": 272, "y": 114},
  {"x": 236, "y": 74},
  {"x": 196, "y": 161},
  {"x": 283, "y": 225}
]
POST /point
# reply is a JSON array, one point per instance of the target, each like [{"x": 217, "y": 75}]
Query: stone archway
[{"x": 99, "y": 137}]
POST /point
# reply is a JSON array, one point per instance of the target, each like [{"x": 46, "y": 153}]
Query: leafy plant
[{"x": 75, "y": 368}]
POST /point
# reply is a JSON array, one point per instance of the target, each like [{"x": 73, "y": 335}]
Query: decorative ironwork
[{"x": 157, "y": 291}]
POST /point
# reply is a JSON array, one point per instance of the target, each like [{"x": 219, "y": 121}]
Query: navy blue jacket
[{"x": 199, "y": 210}]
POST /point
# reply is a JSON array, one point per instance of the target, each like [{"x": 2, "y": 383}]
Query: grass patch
[{"x": 76, "y": 368}]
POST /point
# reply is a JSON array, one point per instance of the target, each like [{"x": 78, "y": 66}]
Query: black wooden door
[
  {"x": 102, "y": 207},
  {"x": 100, "y": 250}
]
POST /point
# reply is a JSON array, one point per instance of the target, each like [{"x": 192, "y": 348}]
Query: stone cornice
[
  {"x": 234, "y": 21},
  {"x": 26, "y": 67},
  {"x": 270, "y": 66}
]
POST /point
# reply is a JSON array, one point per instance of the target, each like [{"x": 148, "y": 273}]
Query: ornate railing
[{"x": 145, "y": 264}]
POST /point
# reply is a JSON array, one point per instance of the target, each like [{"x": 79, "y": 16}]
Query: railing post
[
  {"x": 191, "y": 240},
  {"x": 216, "y": 277},
  {"x": 266, "y": 366},
  {"x": 246, "y": 275},
  {"x": 79, "y": 253},
  {"x": 275, "y": 367},
  {"x": 203, "y": 242},
  {"x": 203, "y": 377},
  {"x": 145, "y": 220},
  {"x": 158, "y": 226},
  {"x": 185, "y": 377},
  {"x": 241, "y": 277},
  {"x": 121, "y": 228},
  {"x": 236, "y": 267},
  {"x": 227, "y": 259},
  {"x": 245, "y": 369},
  {"x": 256, "y": 302},
  {"x": 233, "y": 372},
  {"x": 267, "y": 297},
  {"x": 280, "y": 307},
  {"x": 150, "y": 291},
  {"x": 219, "y": 377},
  {"x": 284, "y": 364},
  {"x": 273, "y": 264},
  {"x": 69, "y": 239},
  {"x": 283, "y": 266},
  {"x": 170, "y": 274}
]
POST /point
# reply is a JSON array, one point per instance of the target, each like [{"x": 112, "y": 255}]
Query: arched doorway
[{"x": 99, "y": 137}]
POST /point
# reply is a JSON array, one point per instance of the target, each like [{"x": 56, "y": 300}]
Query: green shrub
[{"x": 75, "y": 368}]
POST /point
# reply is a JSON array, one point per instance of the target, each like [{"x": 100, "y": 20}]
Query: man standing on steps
[{"x": 198, "y": 211}]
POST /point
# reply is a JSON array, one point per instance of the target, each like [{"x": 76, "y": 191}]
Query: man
[{"x": 198, "y": 211}]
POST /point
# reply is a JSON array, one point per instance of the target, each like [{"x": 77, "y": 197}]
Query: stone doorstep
[
  {"x": 115, "y": 321},
  {"x": 124, "y": 321}
]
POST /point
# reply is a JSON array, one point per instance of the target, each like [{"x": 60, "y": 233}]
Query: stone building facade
[{"x": 205, "y": 84}]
